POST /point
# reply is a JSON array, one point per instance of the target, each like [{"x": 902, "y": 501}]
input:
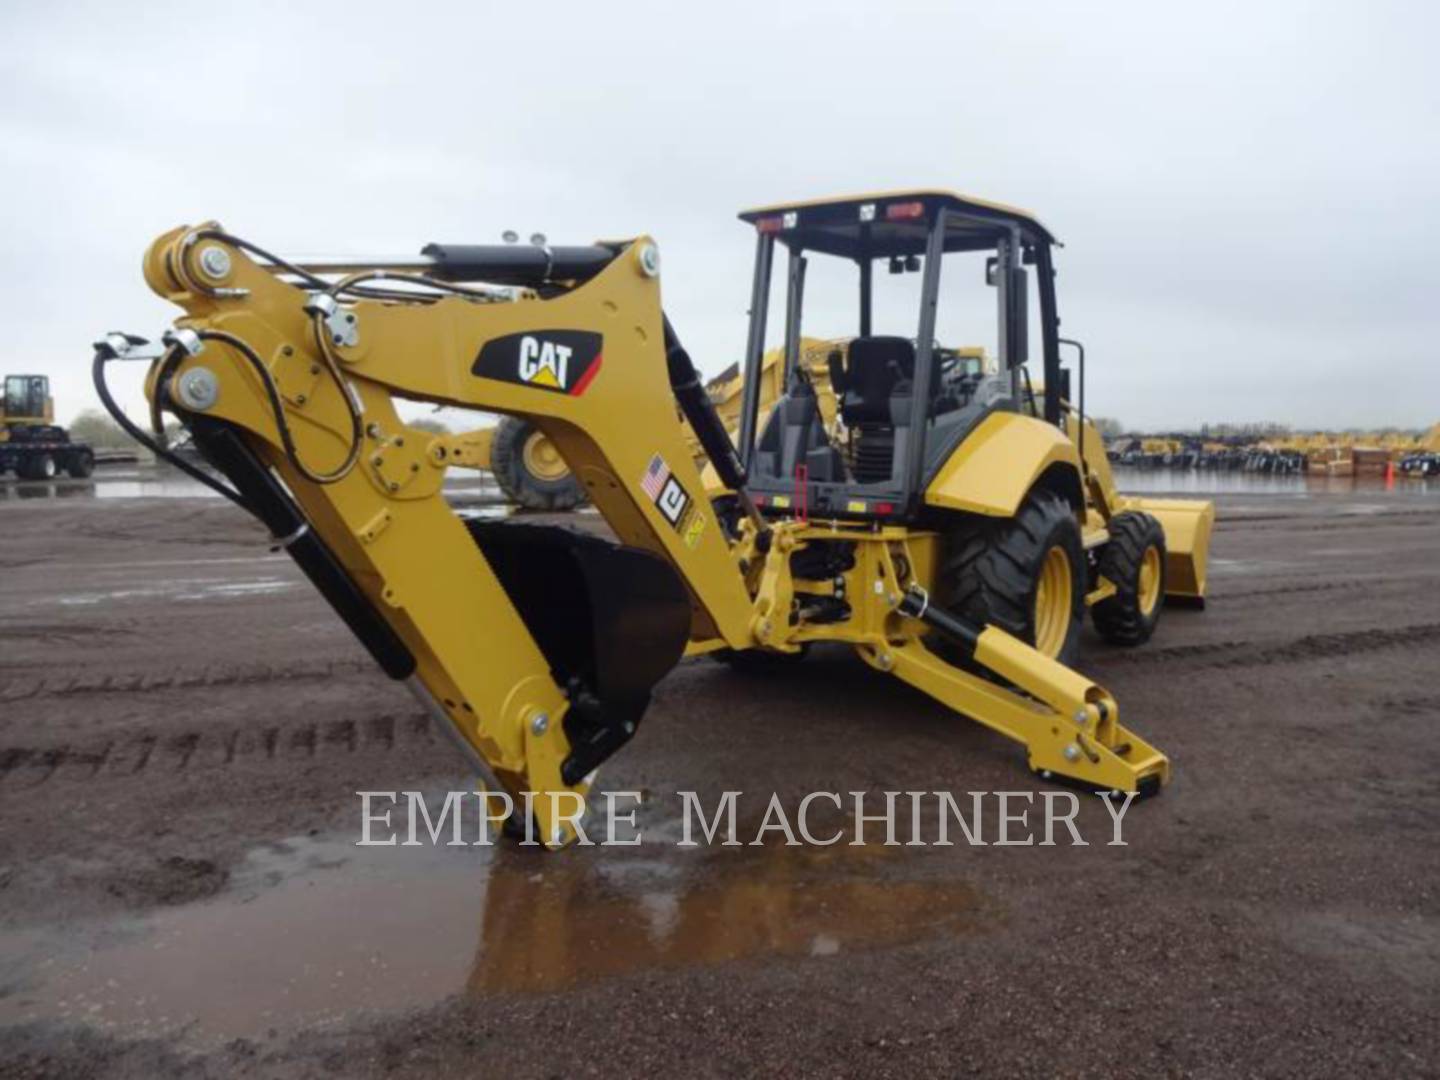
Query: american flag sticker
[{"x": 655, "y": 476}]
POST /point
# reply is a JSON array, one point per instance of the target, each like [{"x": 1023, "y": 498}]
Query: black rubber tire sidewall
[
  {"x": 33, "y": 468},
  {"x": 990, "y": 570},
  {"x": 81, "y": 464},
  {"x": 1118, "y": 618}
]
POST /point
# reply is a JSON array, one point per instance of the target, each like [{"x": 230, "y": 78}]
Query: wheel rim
[
  {"x": 1149, "y": 580},
  {"x": 47, "y": 468},
  {"x": 542, "y": 460},
  {"x": 1053, "y": 602}
]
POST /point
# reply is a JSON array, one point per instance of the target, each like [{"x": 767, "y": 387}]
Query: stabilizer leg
[{"x": 1070, "y": 726}]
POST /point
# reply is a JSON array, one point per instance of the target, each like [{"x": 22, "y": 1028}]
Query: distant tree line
[{"x": 100, "y": 431}]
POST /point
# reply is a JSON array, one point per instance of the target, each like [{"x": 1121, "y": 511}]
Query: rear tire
[
  {"x": 81, "y": 464},
  {"x": 1024, "y": 574},
  {"x": 37, "y": 467},
  {"x": 1134, "y": 560},
  {"x": 529, "y": 471}
]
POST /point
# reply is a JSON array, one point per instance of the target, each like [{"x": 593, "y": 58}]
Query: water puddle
[
  {"x": 312, "y": 933},
  {"x": 1210, "y": 482},
  {"x": 476, "y": 491},
  {"x": 479, "y": 493}
]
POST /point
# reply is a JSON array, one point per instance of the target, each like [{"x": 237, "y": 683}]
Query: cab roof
[{"x": 889, "y": 223}]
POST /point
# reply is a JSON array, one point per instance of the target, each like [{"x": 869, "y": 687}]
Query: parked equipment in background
[
  {"x": 1423, "y": 460},
  {"x": 953, "y": 528},
  {"x": 1322, "y": 454},
  {"x": 32, "y": 445}
]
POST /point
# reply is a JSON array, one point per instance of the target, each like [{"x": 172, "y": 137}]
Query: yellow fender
[{"x": 1000, "y": 461}]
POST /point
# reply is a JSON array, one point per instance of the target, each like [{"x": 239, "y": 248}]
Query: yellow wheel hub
[
  {"x": 1149, "y": 593},
  {"x": 1053, "y": 598},
  {"x": 542, "y": 460}
]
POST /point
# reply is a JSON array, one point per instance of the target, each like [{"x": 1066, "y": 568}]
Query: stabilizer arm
[{"x": 1069, "y": 725}]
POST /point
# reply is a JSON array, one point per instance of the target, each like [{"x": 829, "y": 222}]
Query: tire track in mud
[
  {"x": 58, "y": 633},
  {"x": 1411, "y": 705},
  {"x": 185, "y": 527},
  {"x": 1223, "y": 655},
  {"x": 205, "y": 678},
  {"x": 1308, "y": 587},
  {"x": 143, "y": 755}
]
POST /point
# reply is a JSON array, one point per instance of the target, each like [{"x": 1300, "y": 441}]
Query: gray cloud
[{"x": 1247, "y": 192}]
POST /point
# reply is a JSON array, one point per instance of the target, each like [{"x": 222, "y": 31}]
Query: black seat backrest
[{"x": 874, "y": 367}]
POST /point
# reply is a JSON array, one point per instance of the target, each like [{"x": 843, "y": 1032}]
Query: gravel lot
[{"x": 184, "y": 726}]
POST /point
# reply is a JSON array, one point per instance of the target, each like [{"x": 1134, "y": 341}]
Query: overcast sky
[{"x": 1249, "y": 194}]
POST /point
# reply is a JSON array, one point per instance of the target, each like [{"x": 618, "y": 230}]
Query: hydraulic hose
[
  {"x": 277, "y": 407},
  {"x": 695, "y": 403},
  {"x": 97, "y": 370}
]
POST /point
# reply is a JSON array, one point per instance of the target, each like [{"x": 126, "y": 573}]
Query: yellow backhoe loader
[{"x": 948, "y": 527}]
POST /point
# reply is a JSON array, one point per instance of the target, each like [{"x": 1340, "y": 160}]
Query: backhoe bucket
[
  {"x": 611, "y": 620},
  {"x": 1187, "y": 524}
]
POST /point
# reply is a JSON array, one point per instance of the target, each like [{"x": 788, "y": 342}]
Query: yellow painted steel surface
[
  {"x": 1052, "y": 603},
  {"x": 998, "y": 463}
]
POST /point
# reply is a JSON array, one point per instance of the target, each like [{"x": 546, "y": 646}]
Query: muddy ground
[{"x": 184, "y": 725}]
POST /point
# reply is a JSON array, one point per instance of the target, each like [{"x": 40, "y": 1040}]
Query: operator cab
[
  {"x": 906, "y": 401},
  {"x": 26, "y": 397}
]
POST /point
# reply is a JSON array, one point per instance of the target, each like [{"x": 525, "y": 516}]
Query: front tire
[
  {"x": 1134, "y": 560},
  {"x": 1024, "y": 574}
]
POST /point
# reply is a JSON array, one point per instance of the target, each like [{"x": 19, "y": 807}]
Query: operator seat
[
  {"x": 873, "y": 370},
  {"x": 875, "y": 384}
]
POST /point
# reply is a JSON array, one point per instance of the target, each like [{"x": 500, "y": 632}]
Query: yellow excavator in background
[
  {"x": 32, "y": 445},
  {"x": 949, "y": 528}
]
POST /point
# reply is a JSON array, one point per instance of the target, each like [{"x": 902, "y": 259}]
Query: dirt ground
[{"x": 184, "y": 726}]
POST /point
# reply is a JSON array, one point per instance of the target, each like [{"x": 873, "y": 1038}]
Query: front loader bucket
[
  {"x": 1187, "y": 524},
  {"x": 611, "y": 620}
]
